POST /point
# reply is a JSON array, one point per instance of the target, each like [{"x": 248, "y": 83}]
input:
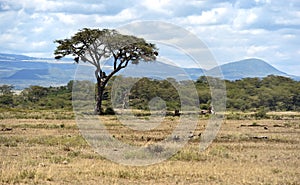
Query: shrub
[
  {"x": 261, "y": 113},
  {"x": 109, "y": 111}
]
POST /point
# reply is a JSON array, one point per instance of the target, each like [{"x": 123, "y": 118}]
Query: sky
[{"x": 232, "y": 30}]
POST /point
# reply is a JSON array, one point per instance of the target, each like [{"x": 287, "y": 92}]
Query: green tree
[
  {"x": 6, "y": 89},
  {"x": 94, "y": 46},
  {"x": 6, "y": 95},
  {"x": 34, "y": 93}
]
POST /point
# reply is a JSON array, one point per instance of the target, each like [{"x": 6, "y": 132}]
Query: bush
[
  {"x": 261, "y": 113},
  {"x": 109, "y": 111},
  {"x": 6, "y": 100}
]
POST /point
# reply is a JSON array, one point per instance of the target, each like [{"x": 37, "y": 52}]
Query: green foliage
[
  {"x": 6, "y": 89},
  {"x": 94, "y": 46},
  {"x": 37, "y": 97},
  {"x": 275, "y": 93},
  {"x": 261, "y": 113},
  {"x": 6, "y": 100},
  {"x": 144, "y": 90},
  {"x": 250, "y": 94},
  {"x": 6, "y": 95}
]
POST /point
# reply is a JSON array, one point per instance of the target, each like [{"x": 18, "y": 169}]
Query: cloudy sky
[{"x": 232, "y": 30}]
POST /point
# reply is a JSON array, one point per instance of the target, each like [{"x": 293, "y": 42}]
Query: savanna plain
[{"x": 51, "y": 150}]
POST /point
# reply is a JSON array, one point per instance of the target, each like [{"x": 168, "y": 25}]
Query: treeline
[
  {"x": 273, "y": 93},
  {"x": 37, "y": 97}
]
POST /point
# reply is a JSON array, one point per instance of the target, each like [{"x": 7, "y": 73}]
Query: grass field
[{"x": 52, "y": 151}]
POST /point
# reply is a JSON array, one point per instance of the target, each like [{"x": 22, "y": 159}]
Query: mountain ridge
[
  {"x": 23, "y": 71},
  {"x": 250, "y": 67}
]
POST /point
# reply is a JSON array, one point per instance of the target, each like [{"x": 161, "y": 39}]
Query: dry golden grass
[{"x": 38, "y": 151}]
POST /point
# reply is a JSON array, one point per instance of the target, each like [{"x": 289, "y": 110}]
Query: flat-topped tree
[{"x": 95, "y": 46}]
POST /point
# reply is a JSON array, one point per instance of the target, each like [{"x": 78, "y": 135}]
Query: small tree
[
  {"x": 6, "y": 89},
  {"x": 94, "y": 46},
  {"x": 6, "y": 95}
]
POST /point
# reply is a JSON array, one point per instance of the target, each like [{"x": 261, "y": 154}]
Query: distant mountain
[
  {"x": 13, "y": 57},
  {"x": 247, "y": 68},
  {"x": 29, "y": 74},
  {"x": 23, "y": 71},
  {"x": 195, "y": 73},
  {"x": 160, "y": 70}
]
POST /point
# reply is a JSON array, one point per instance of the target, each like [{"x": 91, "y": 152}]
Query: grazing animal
[
  {"x": 191, "y": 135},
  {"x": 176, "y": 112},
  {"x": 204, "y": 112},
  {"x": 176, "y": 138},
  {"x": 209, "y": 111},
  {"x": 6, "y": 129}
]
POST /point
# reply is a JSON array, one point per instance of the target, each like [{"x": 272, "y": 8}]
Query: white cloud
[
  {"x": 67, "y": 19},
  {"x": 232, "y": 29},
  {"x": 157, "y": 5},
  {"x": 213, "y": 16},
  {"x": 254, "y": 50},
  {"x": 37, "y": 30},
  {"x": 245, "y": 18},
  {"x": 123, "y": 16},
  {"x": 251, "y": 18},
  {"x": 50, "y": 6},
  {"x": 290, "y": 18},
  {"x": 38, "y": 45},
  {"x": 263, "y": 1}
]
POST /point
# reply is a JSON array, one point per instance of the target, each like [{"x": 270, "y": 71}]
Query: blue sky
[{"x": 232, "y": 30}]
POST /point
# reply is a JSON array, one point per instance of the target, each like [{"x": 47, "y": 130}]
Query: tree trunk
[
  {"x": 102, "y": 80},
  {"x": 100, "y": 89}
]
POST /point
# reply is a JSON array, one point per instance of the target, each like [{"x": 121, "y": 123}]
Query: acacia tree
[{"x": 95, "y": 46}]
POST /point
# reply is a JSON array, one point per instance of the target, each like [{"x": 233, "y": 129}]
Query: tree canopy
[{"x": 95, "y": 46}]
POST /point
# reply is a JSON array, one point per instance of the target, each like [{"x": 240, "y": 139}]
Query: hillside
[
  {"x": 247, "y": 68},
  {"x": 23, "y": 71}
]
